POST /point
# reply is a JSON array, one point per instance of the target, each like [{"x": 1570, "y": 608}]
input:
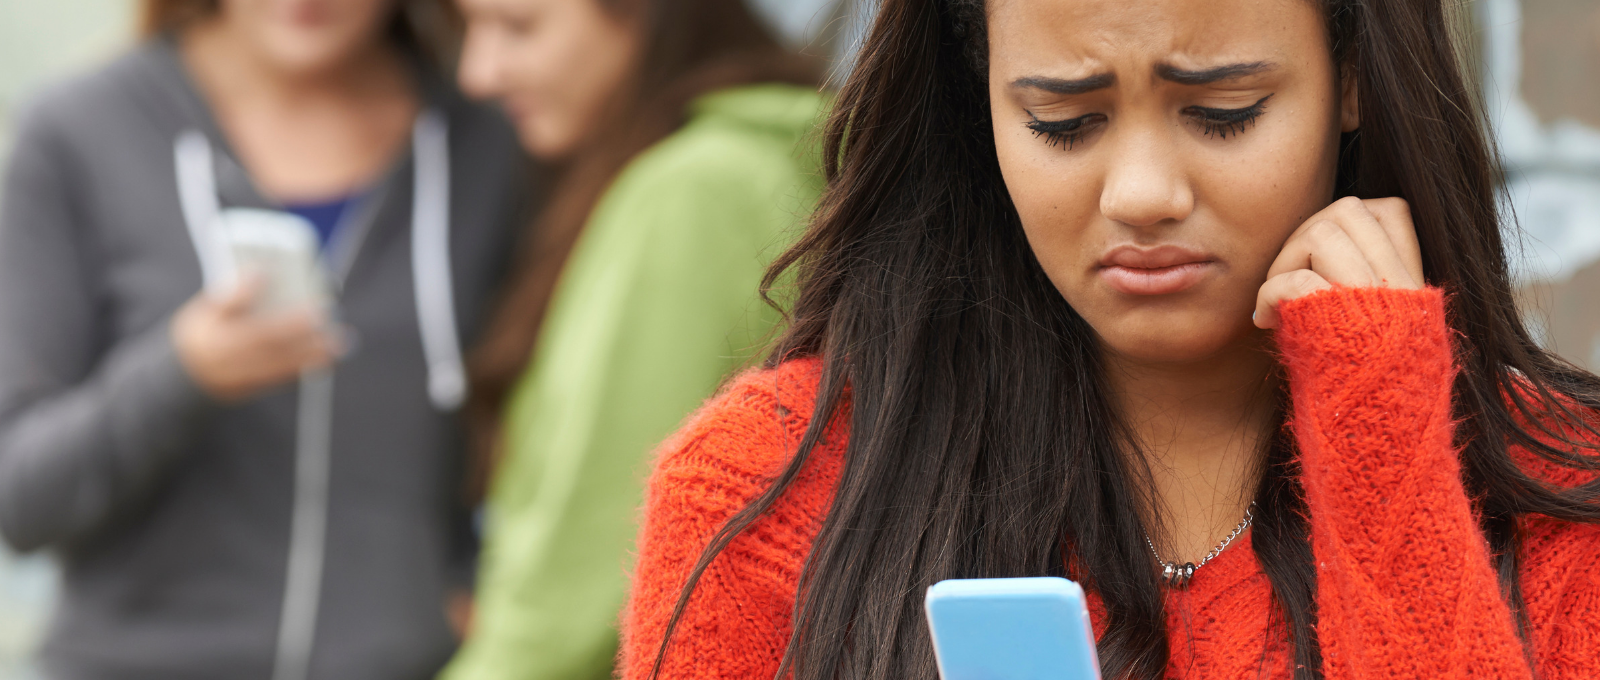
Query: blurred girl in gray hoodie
[{"x": 237, "y": 490}]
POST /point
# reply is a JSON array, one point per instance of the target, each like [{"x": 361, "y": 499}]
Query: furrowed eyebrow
[
  {"x": 1211, "y": 75},
  {"x": 1098, "y": 81}
]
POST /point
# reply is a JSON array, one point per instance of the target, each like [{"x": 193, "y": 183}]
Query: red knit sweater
[{"x": 1404, "y": 590}]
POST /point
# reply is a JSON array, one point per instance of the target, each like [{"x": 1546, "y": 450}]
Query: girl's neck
[
  {"x": 304, "y": 134},
  {"x": 1200, "y": 428}
]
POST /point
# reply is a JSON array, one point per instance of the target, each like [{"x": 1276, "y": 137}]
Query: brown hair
[
  {"x": 690, "y": 47},
  {"x": 161, "y": 16},
  {"x": 431, "y": 26}
]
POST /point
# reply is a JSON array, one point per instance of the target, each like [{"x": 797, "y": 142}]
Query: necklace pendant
[
  {"x": 1174, "y": 575},
  {"x": 1177, "y": 575}
]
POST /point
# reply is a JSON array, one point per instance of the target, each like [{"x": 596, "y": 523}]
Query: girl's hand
[
  {"x": 233, "y": 352},
  {"x": 1353, "y": 243}
]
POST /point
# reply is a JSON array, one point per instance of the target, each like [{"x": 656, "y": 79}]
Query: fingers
[
  {"x": 232, "y": 350},
  {"x": 294, "y": 340},
  {"x": 1325, "y": 247},
  {"x": 1286, "y": 286},
  {"x": 1377, "y": 246},
  {"x": 241, "y": 297},
  {"x": 1352, "y": 242},
  {"x": 1349, "y": 245},
  {"x": 1394, "y": 217}
]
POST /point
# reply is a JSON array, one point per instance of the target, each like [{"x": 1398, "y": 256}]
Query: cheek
[
  {"x": 1057, "y": 201},
  {"x": 541, "y": 73},
  {"x": 578, "y": 74},
  {"x": 1257, "y": 194}
]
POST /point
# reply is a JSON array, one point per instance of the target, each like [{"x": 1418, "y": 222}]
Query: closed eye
[
  {"x": 1064, "y": 133},
  {"x": 1226, "y": 122}
]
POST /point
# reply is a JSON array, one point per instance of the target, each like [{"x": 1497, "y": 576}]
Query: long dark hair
[
  {"x": 691, "y": 47},
  {"x": 979, "y": 416}
]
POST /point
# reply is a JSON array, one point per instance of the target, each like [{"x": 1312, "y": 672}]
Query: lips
[{"x": 1162, "y": 270}]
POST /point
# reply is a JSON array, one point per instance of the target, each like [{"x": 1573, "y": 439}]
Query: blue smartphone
[{"x": 1011, "y": 629}]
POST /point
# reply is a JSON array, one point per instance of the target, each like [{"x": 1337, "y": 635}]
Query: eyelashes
[
  {"x": 1224, "y": 123},
  {"x": 1219, "y": 123},
  {"x": 1063, "y": 133}
]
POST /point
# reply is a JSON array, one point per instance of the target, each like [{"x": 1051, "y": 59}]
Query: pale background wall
[
  {"x": 1542, "y": 68},
  {"x": 40, "y": 40},
  {"x": 1542, "y": 78}
]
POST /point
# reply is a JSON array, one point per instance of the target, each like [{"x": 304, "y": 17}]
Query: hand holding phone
[
  {"x": 231, "y": 351},
  {"x": 282, "y": 248},
  {"x": 1011, "y": 629},
  {"x": 268, "y": 319}
]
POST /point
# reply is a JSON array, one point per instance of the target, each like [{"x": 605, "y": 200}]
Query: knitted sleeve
[
  {"x": 1405, "y": 587},
  {"x": 737, "y": 622}
]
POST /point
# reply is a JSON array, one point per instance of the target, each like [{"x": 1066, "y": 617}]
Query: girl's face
[
  {"x": 1160, "y": 152},
  {"x": 555, "y": 65},
  {"x": 309, "y": 35}
]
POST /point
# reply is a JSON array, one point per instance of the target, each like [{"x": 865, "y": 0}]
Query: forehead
[{"x": 1086, "y": 35}]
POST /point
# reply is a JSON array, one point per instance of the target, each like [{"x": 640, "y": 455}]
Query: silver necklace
[{"x": 1176, "y": 575}]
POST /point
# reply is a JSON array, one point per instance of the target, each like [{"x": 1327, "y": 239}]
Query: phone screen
[{"x": 283, "y": 249}]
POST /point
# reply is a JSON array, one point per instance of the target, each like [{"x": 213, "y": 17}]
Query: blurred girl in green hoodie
[{"x": 682, "y": 128}]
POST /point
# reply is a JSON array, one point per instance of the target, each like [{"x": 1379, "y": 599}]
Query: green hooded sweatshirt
[{"x": 658, "y": 303}]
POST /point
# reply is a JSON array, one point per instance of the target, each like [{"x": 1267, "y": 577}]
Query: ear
[{"x": 1349, "y": 101}]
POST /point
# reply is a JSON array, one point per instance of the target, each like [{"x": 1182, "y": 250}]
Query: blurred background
[
  {"x": 40, "y": 41},
  {"x": 1539, "y": 62},
  {"x": 44, "y": 41}
]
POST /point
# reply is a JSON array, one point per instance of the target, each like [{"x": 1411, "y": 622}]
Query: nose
[
  {"x": 1145, "y": 183},
  {"x": 478, "y": 72}
]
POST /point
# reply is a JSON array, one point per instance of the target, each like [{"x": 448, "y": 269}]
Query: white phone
[{"x": 283, "y": 248}]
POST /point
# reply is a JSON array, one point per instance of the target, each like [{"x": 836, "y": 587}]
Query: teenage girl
[
  {"x": 1201, "y": 303},
  {"x": 683, "y": 134}
]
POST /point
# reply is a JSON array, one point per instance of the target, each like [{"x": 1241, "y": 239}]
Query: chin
[
  {"x": 310, "y": 57},
  {"x": 543, "y": 143},
  {"x": 529, "y": 139},
  {"x": 1172, "y": 338},
  {"x": 311, "y": 51}
]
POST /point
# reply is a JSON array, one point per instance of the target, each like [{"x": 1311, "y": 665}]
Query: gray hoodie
[{"x": 313, "y": 531}]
